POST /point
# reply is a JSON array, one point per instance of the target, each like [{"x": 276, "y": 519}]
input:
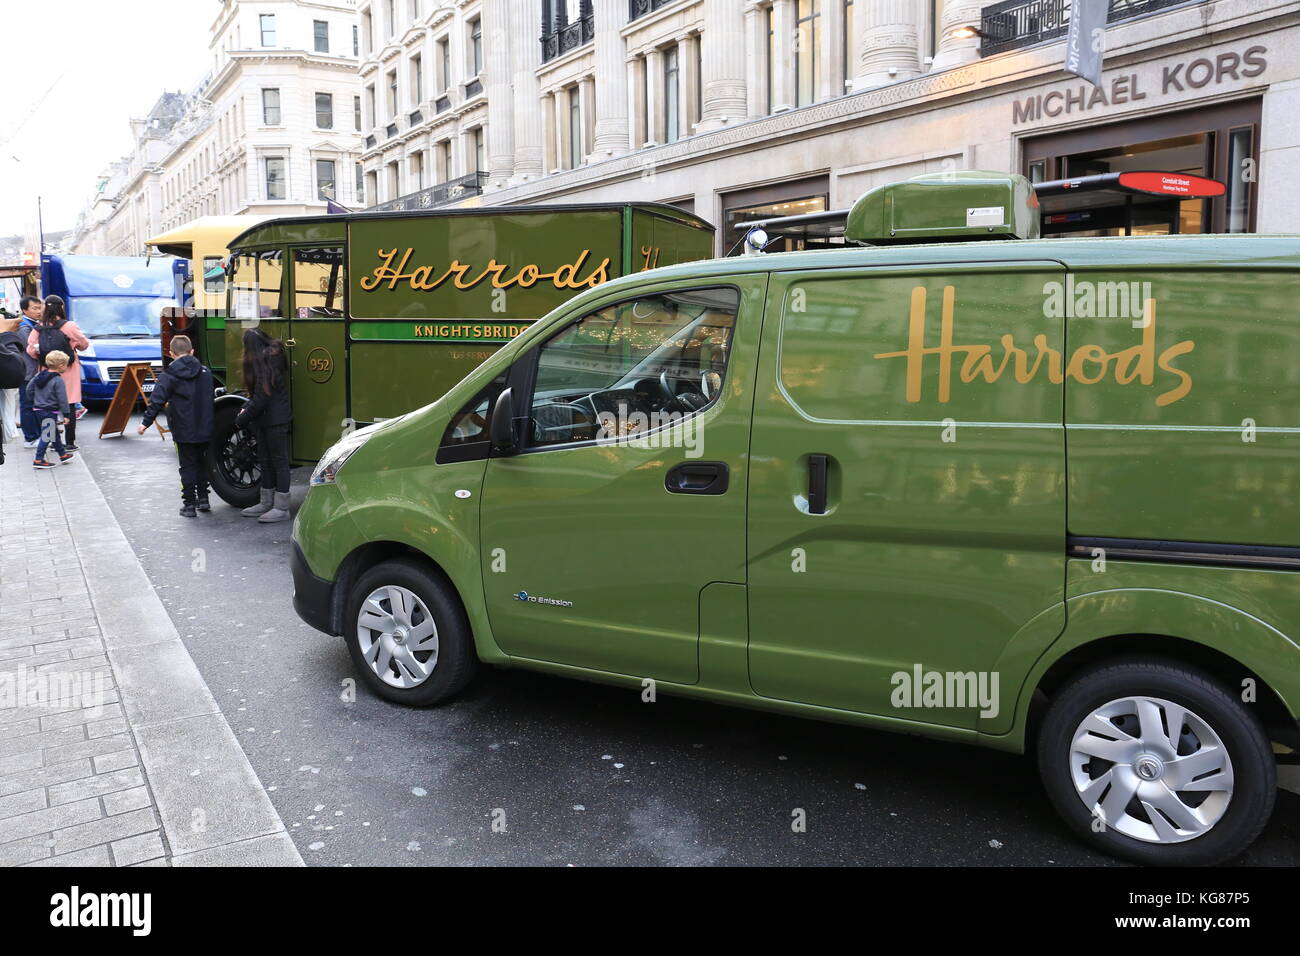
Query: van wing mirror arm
[{"x": 502, "y": 425}]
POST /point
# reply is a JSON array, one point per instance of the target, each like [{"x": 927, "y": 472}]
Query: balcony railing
[
  {"x": 439, "y": 195},
  {"x": 559, "y": 36},
  {"x": 639, "y": 8},
  {"x": 1013, "y": 24}
]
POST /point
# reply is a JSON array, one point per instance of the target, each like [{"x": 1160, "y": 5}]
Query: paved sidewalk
[{"x": 112, "y": 750}]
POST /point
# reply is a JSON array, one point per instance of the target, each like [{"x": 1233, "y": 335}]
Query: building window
[
  {"x": 324, "y": 110},
  {"x": 480, "y": 151},
  {"x": 321, "y": 33},
  {"x": 417, "y": 171},
  {"x": 392, "y": 18},
  {"x": 356, "y": 41},
  {"x": 445, "y": 167},
  {"x": 850, "y": 46},
  {"x": 356, "y": 113},
  {"x": 1241, "y": 150},
  {"x": 672, "y": 98},
  {"x": 392, "y": 94},
  {"x": 444, "y": 65},
  {"x": 394, "y": 180},
  {"x": 936, "y": 21},
  {"x": 275, "y": 184},
  {"x": 476, "y": 46},
  {"x": 807, "y": 64},
  {"x": 415, "y": 10},
  {"x": 575, "y": 128},
  {"x": 417, "y": 78},
  {"x": 360, "y": 184},
  {"x": 370, "y": 105},
  {"x": 368, "y": 22},
  {"x": 325, "y": 183},
  {"x": 267, "y": 21},
  {"x": 270, "y": 107}
]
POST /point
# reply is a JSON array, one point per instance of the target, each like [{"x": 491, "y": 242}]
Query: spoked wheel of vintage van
[
  {"x": 1156, "y": 762},
  {"x": 408, "y": 634},
  {"x": 236, "y": 475}
]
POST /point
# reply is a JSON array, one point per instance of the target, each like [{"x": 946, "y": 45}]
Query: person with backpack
[
  {"x": 268, "y": 413},
  {"x": 13, "y": 374},
  {"x": 185, "y": 387},
  {"x": 50, "y": 399},
  {"x": 55, "y": 333}
]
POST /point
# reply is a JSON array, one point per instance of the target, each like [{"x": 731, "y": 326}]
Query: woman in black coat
[{"x": 268, "y": 414}]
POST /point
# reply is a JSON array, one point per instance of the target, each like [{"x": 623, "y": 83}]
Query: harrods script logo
[
  {"x": 578, "y": 274},
  {"x": 1087, "y": 365}
]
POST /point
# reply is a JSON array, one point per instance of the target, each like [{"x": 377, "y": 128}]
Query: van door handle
[
  {"x": 817, "y": 484},
  {"x": 698, "y": 478}
]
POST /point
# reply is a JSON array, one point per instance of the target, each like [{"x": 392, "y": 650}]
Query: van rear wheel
[
  {"x": 1154, "y": 762},
  {"x": 408, "y": 635}
]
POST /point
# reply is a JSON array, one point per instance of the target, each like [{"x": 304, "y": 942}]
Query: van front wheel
[
  {"x": 1156, "y": 763},
  {"x": 408, "y": 635}
]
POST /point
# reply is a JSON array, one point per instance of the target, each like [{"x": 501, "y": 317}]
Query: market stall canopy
[{"x": 207, "y": 231}]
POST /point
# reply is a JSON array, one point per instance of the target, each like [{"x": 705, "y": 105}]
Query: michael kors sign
[{"x": 1175, "y": 78}]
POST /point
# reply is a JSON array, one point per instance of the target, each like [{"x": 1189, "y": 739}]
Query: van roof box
[{"x": 950, "y": 206}]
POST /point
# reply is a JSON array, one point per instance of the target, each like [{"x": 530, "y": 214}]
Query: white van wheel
[
  {"x": 1154, "y": 761},
  {"x": 397, "y": 636},
  {"x": 408, "y": 635},
  {"x": 1151, "y": 769}
]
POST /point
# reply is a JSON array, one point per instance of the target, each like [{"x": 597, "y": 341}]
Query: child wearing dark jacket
[
  {"x": 268, "y": 414},
  {"x": 185, "y": 387},
  {"x": 49, "y": 398}
]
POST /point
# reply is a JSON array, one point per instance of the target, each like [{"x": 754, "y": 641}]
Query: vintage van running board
[{"x": 1186, "y": 552}]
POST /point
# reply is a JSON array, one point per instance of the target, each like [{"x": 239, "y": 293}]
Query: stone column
[
  {"x": 953, "y": 50},
  {"x": 654, "y": 85},
  {"x": 611, "y": 134},
  {"x": 562, "y": 150},
  {"x": 889, "y": 42},
  {"x": 755, "y": 61},
  {"x": 528, "y": 105},
  {"x": 498, "y": 30},
  {"x": 723, "y": 64},
  {"x": 636, "y": 103},
  {"x": 834, "y": 69},
  {"x": 685, "y": 67},
  {"x": 550, "y": 156},
  {"x": 783, "y": 27},
  {"x": 586, "y": 108}
]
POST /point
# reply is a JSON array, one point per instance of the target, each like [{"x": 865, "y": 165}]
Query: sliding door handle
[{"x": 817, "y": 484}]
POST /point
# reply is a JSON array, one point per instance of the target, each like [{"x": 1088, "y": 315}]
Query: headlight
[{"x": 327, "y": 469}]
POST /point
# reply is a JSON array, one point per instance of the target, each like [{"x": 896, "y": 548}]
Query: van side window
[
  {"x": 256, "y": 286},
  {"x": 633, "y": 366},
  {"x": 467, "y": 437},
  {"x": 214, "y": 275},
  {"x": 318, "y": 281}
]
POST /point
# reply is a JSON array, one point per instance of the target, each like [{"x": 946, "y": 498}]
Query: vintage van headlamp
[{"x": 327, "y": 469}]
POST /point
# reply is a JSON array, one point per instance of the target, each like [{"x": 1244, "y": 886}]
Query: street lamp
[{"x": 968, "y": 32}]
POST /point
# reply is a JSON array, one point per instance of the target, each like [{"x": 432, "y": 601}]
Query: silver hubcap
[
  {"x": 397, "y": 636},
  {"x": 1151, "y": 769}
]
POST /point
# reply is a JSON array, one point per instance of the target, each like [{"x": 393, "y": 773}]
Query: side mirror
[{"x": 502, "y": 426}]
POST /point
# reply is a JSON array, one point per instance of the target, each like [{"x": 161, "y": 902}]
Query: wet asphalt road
[{"x": 585, "y": 774}]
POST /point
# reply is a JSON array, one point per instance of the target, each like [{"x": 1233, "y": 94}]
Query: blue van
[{"x": 117, "y": 302}]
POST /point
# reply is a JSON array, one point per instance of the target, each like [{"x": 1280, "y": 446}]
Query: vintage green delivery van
[
  {"x": 382, "y": 312},
  {"x": 1039, "y": 495}
]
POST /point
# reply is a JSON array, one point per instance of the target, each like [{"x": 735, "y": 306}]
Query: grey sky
[{"x": 102, "y": 62}]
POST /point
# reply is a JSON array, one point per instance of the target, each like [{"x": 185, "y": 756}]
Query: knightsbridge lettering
[
  {"x": 1087, "y": 365},
  {"x": 501, "y": 275}
]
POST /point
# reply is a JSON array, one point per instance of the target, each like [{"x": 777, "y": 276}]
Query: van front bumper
[{"x": 313, "y": 597}]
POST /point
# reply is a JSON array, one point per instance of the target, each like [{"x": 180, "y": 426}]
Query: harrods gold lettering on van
[
  {"x": 501, "y": 275},
  {"x": 1087, "y": 364}
]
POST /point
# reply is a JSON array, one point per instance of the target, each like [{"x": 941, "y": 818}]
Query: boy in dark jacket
[
  {"x": 186, "y": 389},
  {"x": 49, "y": 398}
]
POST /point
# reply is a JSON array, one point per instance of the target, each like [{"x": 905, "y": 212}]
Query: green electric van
[{"x": 951, "y": 480}]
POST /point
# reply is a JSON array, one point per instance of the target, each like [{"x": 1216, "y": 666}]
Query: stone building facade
[{"x": 740, "y": 108}]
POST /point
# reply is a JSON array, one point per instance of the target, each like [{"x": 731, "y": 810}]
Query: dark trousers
[
  {"x": 27, "y": 416},
  {"x": 273, "y": 457},
  {"x": 47, "y": 428},
  {"x": 194, "y": 470},
  {"x": 70, "y": 429}
]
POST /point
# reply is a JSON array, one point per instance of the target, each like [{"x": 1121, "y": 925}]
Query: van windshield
[{"x": 118, "y": 317}]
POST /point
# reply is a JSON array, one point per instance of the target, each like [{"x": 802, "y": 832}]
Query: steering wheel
[{"x": 669, "y": 395}]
